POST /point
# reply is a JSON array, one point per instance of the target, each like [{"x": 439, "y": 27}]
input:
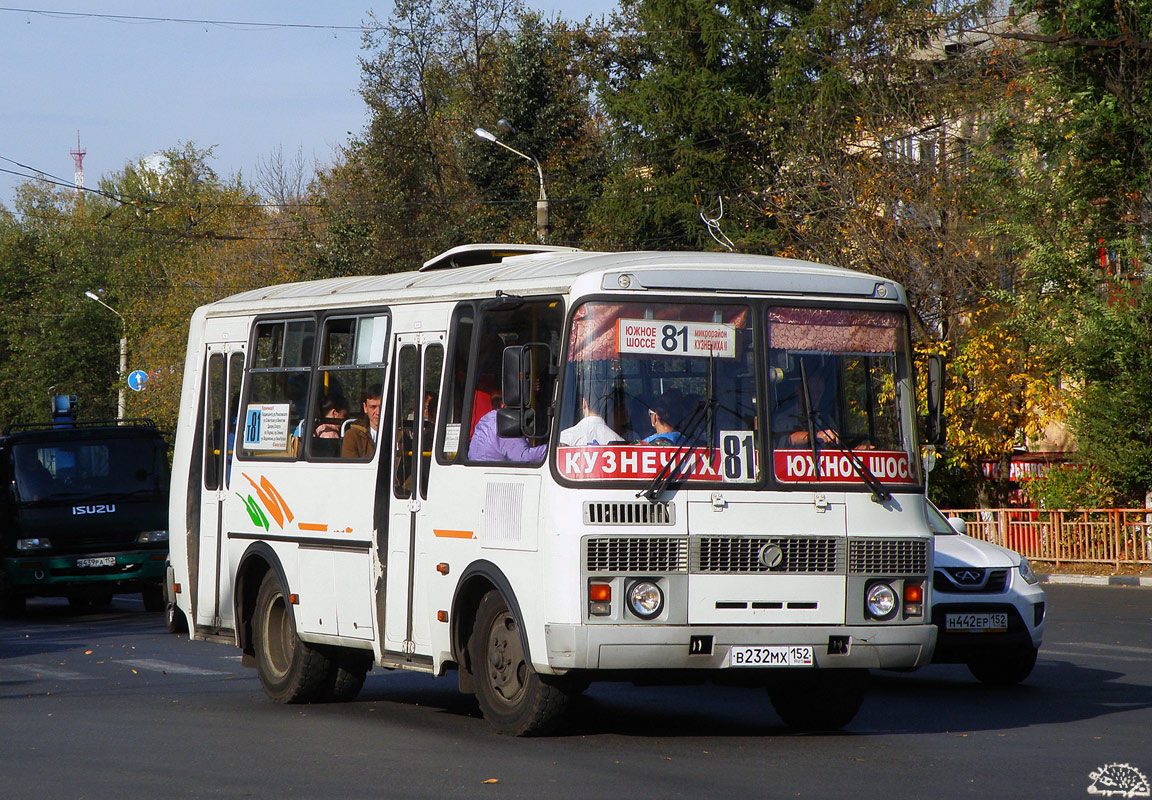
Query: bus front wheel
[
  {"x": 818, "y": 700},
  {"x": 513, "y": 697},
  {"x": 290, "y": 669}
]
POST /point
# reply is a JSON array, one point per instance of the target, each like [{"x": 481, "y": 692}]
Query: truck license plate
[
  {"x": 776, "y": 656},
  {"x": 98, "y": 561},
  {"x": 994, "y": 622}
]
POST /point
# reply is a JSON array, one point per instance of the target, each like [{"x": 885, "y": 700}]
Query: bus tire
[
  {"x": 290, "y": 669},
  {"x": 349, "y": 670},
  {"x": 820, "y": 700},
  {"x": 513, "y": 697},
  {"x": 1004, "y": 668},
  {"x": 174, "y": 619}
]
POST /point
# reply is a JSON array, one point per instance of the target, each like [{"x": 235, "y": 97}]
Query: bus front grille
[
  {"x": 887, "y": 556},
  {"x": 778, "y": 554},
  {"x": 636, "y": 554}
]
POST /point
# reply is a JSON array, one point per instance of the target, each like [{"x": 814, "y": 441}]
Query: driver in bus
[
  {"x": 488, "y": 445},
  {"x": 790, "y": 418}
]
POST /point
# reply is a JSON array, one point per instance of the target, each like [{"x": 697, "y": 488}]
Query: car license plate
[
  {"x": 776, "y": 656},
  {"x": 994, "y": 622},
  {"x": 98, "y": 561}
]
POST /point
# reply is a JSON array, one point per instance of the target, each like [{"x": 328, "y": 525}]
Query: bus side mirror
[
  {"x": 934, "y": 424},
  {"x": 523, "y": 380}
]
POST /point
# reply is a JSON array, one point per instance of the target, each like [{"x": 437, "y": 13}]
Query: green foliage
[{"x": 1072, "y": 486}]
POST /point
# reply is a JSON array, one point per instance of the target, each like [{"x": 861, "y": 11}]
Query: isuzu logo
[
  {"x": 770, "y": 556},
  {"x": 104, "y": 508}
]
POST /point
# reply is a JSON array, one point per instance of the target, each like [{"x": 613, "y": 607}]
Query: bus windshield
[
  {"x": 649, "y": 383},
  {"x": 106, "y": 467}
]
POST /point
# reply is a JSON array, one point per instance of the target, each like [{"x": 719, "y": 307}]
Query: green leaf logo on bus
[{"x": 271, "y": 501}]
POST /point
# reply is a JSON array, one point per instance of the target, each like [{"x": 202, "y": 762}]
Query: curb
[{"x": 1098, "y": 580}]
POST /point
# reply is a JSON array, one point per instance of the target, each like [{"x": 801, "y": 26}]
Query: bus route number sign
[{"x": 674, "y": 338}]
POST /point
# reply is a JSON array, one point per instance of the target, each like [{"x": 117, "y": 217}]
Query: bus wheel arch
[
  {"x": 479, "y": 578},
  {"x": 256, "y": 562}
]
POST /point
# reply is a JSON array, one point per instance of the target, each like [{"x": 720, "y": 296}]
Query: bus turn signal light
[{"x": 600, "y": 599}]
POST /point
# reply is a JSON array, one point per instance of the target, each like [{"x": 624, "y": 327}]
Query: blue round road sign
[{"x": 137, "y": 379}]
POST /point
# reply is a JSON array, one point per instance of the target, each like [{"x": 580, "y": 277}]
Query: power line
[{"x": 131, "y": 18}]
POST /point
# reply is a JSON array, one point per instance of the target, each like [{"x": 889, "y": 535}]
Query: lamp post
[
  {"x": 542, "y": 201},
  {"x": 122, "y": 398}
]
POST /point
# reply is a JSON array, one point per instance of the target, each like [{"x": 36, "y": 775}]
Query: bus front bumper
[{"x": 641, "y": 647}]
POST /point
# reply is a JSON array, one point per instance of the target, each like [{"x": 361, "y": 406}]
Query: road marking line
[
  {"x": 1120, "y": 647},
  {"x": 42, "y": 671},
  {"x": 1044, "y": 651},
  {"x": 155, "y": 665}
]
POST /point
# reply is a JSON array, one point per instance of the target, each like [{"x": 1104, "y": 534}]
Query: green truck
[{"x": 83, "y": 511}]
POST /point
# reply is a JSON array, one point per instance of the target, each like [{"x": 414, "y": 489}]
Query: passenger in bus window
[
  {"x": 667, "y": 415},
  {"x": 360, "y": 438},
  {"x": 591, "y": 429},
  {"x": 487, "y": 445},
  {"x": 331, "y": 413}
]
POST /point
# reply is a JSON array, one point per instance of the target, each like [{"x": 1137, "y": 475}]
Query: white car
[{"x": 987, "y": 605}]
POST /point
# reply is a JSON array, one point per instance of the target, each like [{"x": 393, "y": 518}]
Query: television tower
[{"x": 78, "y": 157}]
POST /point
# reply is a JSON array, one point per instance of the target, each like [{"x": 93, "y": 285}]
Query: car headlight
[
  {"x": 29, "y": 545},
  {"x": 150, "y": 537},
  {"x": 645, "y": 599},
  {"x": 880, "y": 601},
  {"x": 1026, "y": 571}
]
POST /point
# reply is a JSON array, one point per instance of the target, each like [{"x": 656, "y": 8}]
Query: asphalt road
[{"x": 108, "y": 705}]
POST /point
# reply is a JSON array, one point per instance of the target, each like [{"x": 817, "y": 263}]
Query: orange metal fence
[{"x": 1100, "y": 536}]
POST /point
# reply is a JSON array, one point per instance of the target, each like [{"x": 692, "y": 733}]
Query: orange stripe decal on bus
[
  {"x": 319, "y": 527},
  {"x": 443, "y": 534}
]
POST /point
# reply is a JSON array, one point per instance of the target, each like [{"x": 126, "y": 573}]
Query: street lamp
[
  {"x": 542, "y": 202},
  {"x": 122, "y": 399}
]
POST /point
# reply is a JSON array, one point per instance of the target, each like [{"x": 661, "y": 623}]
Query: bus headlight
[
  {"x": 880, "y": 601},
  {"x": 30, "y": 545},
  {"x": 151, "y": 537},
  {"x": 645, "y": 599}
]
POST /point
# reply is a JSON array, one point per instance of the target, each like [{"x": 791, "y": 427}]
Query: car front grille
[
  {"x": 742, "y": 554},
  {"x": 970, "y": 580}
]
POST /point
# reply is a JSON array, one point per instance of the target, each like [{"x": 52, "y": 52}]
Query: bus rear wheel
[
  {"x": 290, "y": 669},
  {"x": 513, "y": 697},
  {"x": 349, "y": 670},
  {"x": 820, "y": 700}
]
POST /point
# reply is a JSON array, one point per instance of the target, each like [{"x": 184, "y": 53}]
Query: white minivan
[{"x": 987, "y": 605}]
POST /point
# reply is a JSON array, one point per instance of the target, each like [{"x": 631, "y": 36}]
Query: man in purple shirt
[{"x": 486, "y": 445}]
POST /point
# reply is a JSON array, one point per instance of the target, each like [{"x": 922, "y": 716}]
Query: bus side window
[
  {"x": 508, "y": 323},
  {"x": 348, "y": 399},
  {"x": 277, "y": 390},
  {"x": 453, "y": 402}
]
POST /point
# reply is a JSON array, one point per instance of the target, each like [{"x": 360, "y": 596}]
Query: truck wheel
[
  {"x": 820, "y": 700},
  {"x": 290, "y": 669},
  {"x": 1004, "y": 668},
  {"x": 153, "y": 597},
  {"x": 512, "y": 696},
  {"x": 349, "y": 669}
]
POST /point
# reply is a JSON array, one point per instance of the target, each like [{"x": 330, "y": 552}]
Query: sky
[{"x": 133, "y": 87}]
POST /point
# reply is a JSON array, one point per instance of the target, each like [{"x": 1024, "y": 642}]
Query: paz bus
[{"x": 538, "y": 467}]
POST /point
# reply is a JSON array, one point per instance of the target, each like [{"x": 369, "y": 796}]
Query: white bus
[{"x": 540, "y": 467}]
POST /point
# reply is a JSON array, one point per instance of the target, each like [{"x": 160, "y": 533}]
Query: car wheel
[{"x": 1004, "y": 668}]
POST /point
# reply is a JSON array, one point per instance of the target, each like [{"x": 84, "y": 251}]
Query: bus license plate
[
  {"x": 98, "y": 561},
  {"x": 994, "y": 622},
  {"x": 778, "y": 656}
]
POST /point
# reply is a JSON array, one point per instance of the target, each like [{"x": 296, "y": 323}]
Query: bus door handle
[{"x": 413, "y": 505}]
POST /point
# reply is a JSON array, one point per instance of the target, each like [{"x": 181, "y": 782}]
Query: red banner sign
[
  {"x": 634, "y": 462},
  {"x": 795, "y": 466}
]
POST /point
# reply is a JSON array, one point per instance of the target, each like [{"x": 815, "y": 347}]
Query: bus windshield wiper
[{"x": 879, "y": 493}]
